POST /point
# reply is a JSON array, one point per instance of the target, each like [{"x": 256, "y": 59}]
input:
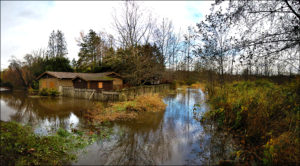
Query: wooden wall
[
  {"x": 49, "y": 83},
  {"x": 107, "y": 85},
  {"x": 65, "y": 82},
  {"x": 80, "y": 84}
]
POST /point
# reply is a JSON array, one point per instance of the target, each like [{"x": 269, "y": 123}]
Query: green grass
[
  {"x": 20, "y": 146},
  {"x": 264, "y": 114}
]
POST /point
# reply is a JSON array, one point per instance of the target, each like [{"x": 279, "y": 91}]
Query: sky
[{"x": 26, "y": 25}]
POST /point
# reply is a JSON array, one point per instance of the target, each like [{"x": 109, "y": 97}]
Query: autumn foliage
[{"x": 264, "y": 114}]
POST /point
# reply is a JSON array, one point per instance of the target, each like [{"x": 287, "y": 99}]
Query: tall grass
[{"x": 264, "y": 114}]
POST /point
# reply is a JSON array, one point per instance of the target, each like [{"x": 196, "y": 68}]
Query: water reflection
[
  {"x": 44, "y": 114},
  {"x": 170, "y": 137}
]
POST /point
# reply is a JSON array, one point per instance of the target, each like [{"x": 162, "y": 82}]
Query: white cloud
[{"x": 26, "y": 26}]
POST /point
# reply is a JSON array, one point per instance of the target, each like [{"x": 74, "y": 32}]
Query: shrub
[
  {"x": 49, "y": 92},
  {"x": 20, "y": 146},
  {"x": 35, "y": 85},
  {"x": 44, "y": 92},
  {"x": 53, "y": 92}
]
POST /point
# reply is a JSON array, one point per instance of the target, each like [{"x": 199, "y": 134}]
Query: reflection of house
[{"x": 101, "y": 81}]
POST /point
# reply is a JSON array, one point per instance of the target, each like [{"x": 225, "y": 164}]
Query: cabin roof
[
  {"x": 85, "y": 76},
  {"x": 94, "y": 78}
]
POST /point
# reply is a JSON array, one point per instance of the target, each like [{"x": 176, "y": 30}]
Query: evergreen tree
[
  {"x": 61, "y": 44},
  {"x": 51, "y": 45},
  {"x": 90, "y": 55},
  {"x": 57, "y": 45}
]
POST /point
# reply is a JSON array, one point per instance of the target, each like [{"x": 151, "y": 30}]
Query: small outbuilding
[{"x": 57, "y": 80}]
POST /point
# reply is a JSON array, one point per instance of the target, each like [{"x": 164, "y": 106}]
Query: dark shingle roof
[
  {"x": 86, "y": 76},
  {"x": 94, "y": 77}
]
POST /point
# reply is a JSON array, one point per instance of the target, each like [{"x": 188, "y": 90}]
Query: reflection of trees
[
  {"x": 155, "y": 138},
  {"x": 21, "y": 105},
  {"x": 214, "y": 146},
  {"x": 138, "y": 148},
  {"x": 141, "y": 142},
  {"x": 53, "y": 112}
]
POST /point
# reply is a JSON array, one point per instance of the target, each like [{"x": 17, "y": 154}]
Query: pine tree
[
  {"x": 90, "y": 50},
  {"x": 51, "y": 45},
  {"x": 57, "y": 45},
  {"x": 61, "y": 44}
]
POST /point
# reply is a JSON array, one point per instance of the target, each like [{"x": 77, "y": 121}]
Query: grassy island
[{"x": 126, "y": 110}]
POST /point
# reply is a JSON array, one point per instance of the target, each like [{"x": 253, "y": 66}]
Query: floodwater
[{"x": 172, "y": 137}]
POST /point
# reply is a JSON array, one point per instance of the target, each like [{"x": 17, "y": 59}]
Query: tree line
[{"x": 236, "y": 37}]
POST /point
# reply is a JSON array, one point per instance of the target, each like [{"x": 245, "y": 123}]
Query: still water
[{"x": 170, "y": 137}]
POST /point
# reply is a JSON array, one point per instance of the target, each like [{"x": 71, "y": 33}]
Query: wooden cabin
[{"x": 57, "y": 80}]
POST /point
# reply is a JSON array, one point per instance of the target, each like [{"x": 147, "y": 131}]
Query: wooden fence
[{"x": 122, "y": 95}]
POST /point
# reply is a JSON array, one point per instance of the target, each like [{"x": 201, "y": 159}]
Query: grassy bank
[
  {"x": 265, "y": 117},
  {"x": 20, "y": 146},
  {"x": 126, "y": 110}
]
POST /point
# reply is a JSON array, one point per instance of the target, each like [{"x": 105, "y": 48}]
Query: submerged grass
[
  {"x": 265, "y": 116},
  {"x": 126, "y": 110},
  {"x": 20, "y": 146}
]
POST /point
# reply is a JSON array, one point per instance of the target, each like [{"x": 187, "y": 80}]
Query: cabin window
[
  {"x": 51, "y": 84},
  {"x": 44, "y": 84},
  {"x": 100, "y": 85}
]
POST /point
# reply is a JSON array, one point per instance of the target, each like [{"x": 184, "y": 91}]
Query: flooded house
[{"x": 100, "y": 81}]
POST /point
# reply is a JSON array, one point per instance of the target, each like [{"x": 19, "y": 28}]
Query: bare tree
[
  {"x": 174, "y": 48},
  {"x": 215, "y": 40},
  {"x": 187, "y": 47},
  {"x": 163, "y": 36},
  {"x": 272, "y": 31},
  {"x": 133, "y": 26}
]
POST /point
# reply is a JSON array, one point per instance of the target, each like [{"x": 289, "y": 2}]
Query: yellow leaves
[
  {"x": 238, "y": 153},
  {"x": 244, "y": 108},
  {"x": 221, "y": 110}
]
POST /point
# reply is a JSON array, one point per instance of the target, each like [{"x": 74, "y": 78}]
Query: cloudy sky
[{"x": 26, "y": 26}]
